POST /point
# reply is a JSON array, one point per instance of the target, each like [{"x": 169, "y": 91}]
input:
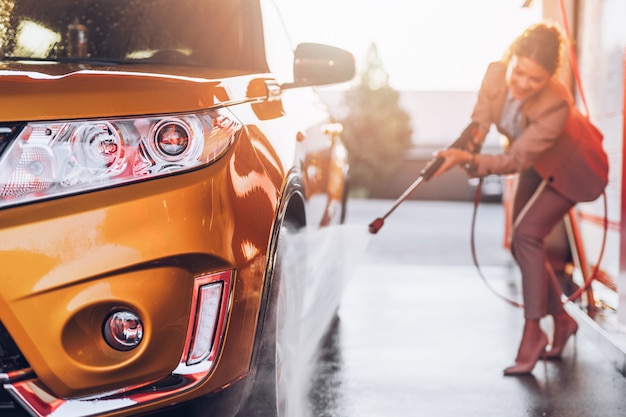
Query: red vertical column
[{"x": 622, "y": 226}]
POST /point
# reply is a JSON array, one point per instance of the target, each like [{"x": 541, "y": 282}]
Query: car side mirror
[{"x": 318, "y": 64}]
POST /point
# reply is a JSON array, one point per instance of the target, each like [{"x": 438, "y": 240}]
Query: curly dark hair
[{"x": 541, "y": 42}]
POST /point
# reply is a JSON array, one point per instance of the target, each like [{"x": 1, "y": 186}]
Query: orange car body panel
[{"x": 68, "y": 261}]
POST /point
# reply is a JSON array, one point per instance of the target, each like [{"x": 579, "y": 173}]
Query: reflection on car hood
[{"x": 47, "y": 91}]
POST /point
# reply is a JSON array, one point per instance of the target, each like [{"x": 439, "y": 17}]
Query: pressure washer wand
[{"x": 426, "y": 174}]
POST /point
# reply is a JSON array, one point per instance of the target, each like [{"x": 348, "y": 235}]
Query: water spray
[{"x": 467, "y": 136}]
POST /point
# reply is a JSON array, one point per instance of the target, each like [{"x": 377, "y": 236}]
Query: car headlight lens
[
  {"x": 171, "y": 139},
  {"x": 50, "y": 159}
]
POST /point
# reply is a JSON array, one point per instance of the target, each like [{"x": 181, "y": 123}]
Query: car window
[{"x": 210, "y": 33}]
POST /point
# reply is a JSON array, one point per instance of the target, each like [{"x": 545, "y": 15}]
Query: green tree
[{"x": 377, "y": 131}]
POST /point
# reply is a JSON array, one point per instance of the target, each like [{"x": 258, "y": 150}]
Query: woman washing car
[{"x": 559, "y": 157}]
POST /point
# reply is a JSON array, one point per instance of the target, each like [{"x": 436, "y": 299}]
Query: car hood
[{"x": 49, "y": 91}]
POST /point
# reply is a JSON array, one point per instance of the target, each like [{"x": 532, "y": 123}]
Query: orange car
[{"x": 154, "y": 157}]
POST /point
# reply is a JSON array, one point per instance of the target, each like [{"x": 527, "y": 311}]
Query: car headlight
[{"x": 50, "y": 159}]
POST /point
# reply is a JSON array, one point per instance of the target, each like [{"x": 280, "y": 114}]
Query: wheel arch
[{"x": 291, "y": 215}]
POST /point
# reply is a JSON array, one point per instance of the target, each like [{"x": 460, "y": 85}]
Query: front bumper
[{"x": 34, "y": 397}]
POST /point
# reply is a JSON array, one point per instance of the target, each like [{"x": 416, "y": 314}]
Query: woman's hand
[{"x": 452, "y": 157}]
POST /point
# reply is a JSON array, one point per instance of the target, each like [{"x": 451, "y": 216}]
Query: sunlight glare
[{"x": 424, "y": 44}]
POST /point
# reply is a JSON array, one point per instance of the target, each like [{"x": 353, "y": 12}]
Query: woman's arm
[
  {"x": 536, "y": 138},
  {"x": 491, "y": 86}
]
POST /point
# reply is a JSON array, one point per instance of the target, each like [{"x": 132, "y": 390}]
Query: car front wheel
[{"x": 277, "y": 390}]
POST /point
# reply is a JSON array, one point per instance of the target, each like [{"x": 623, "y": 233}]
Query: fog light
[{"x": 123, "y": 330}]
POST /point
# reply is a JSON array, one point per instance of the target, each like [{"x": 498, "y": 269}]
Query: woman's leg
[
  {"x": 532, "y": 225},
  {"x": 531, "y": 348},
  {"x": 564, "y": 327},
  {"x": 528, "y": 246}
]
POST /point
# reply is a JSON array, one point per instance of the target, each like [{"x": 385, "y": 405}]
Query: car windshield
[{"x": 209, "y": 33}]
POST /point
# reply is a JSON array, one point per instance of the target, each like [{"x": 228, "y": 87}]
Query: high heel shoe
[
  {"x": 526, "y": 360},
  {"x": 562, "y": 332}
]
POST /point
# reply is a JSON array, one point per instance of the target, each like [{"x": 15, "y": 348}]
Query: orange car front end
[{"x": 138, "y": 209}]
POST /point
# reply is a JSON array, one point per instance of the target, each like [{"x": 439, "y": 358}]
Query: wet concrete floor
[{"x": 419, "y": 334}]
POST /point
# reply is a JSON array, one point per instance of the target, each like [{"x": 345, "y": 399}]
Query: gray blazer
[{"x": 557, "y": 140}]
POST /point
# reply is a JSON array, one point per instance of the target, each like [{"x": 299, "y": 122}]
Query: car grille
[{"x": 11, "y": 359}]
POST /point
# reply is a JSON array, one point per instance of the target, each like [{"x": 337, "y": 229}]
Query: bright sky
[{"x": 424, "y": 44}]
